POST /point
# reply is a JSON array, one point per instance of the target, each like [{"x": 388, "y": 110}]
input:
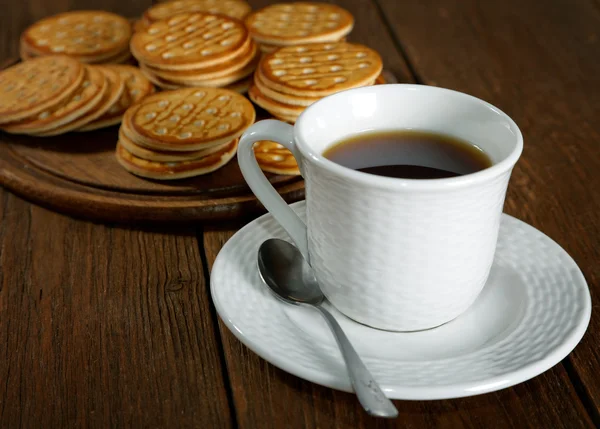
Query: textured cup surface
[{"x": 396, "y": 254}]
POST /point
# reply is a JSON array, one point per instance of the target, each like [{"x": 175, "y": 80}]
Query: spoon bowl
[{"x": 289, "y": 276}]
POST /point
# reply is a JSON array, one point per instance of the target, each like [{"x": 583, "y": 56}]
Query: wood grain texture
[
  {"x": 540, "y": 63},
  {"x": 104, "y": 327},
  {"x": 549, "y": 400},
  {"x": 101, "y": 326}
]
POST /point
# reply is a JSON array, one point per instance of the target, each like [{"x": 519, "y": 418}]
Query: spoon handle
[{"x": 369, "y": 394}]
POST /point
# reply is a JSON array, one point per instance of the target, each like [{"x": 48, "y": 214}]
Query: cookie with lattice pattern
[
  {"x": 238, "y": 9},
  {"x": 87, "y": 96},
  {"x": 175, "y": 169},
  {"x": 292, "y": 100},
  {"x": 272, "y": 106},
  {"x": 115, "y": 88},
  {"x": 275, "y": 158},
  {"x": 287, "y": 24},
  {"x": 137, "y": 86},
  {"x": 190, "y": 41},
  {"x": 33, "y": 86},
  {"x": 89, "y": 36},
  {"x": 226, "y": 69},
  {"x": 188, "y": 119},
  {"x": 164, "y": 155},
  {"x": 320, "y": 69}
]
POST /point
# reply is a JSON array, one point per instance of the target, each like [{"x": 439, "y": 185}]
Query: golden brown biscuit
[
  {"x": 292, "y": 100},
  {"x": 233, "y": 8},
  {"x": 89, "y": 36},
  {"x": 287, "y": 24},
  {"x": 225, "y": 69},
  {"x": 36, "y": 85},
  {"x": 112, "y": 94},
  {"x": 272, "y": 106},
  {"x": 190, "y": 41},
  {"x": 275, "y": 158},
  {"x": 175, "y": 170},
  {"x": 137, "y": 86},
  {"x": 188, "y": 119},
  {"x": 84, "y": 99},
  {"x": 319, "y": 69},
  {"x": 162, "y": 155}
]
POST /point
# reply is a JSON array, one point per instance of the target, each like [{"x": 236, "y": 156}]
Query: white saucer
[{"x": 532, "y": 312}]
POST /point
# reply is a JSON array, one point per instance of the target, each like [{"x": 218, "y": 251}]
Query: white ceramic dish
[{"x": 532, "y": 312}]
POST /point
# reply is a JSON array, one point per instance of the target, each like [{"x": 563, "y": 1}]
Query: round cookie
[
  {"x": 35, "y": 85},
  {"x": 275, "y": 158},
  {"x": 89, "y": 36},
  {"x": 215, "y": 82},
  {"x": 288, "y": 24},
  {"x": 238, "y": 9},
  {"x": 190, "y": 41},
  {"x": 161, "y": 83},
  {"x": 83, "y": 100},
  {"x": 320, "y": 69},
  {"x": 175, "y": 170},
  {"x": 188, "y": 119},
  {"x": 272, "y": 106},
  {"x": 137, "y": 86},
  {"x": 111, "y": 95},
  {"x": 292, "y": 100},
  {"x": 162, "y": 155},
  {"x": 228, "y": 68}
]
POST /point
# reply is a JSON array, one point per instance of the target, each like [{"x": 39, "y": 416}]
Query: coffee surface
[{"x": 409, "y": 154}]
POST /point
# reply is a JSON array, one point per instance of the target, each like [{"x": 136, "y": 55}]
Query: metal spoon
[{"x": 283, "y": 268}]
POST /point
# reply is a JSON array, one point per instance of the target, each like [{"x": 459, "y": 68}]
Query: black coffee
[{"x": 409, "y": 154}]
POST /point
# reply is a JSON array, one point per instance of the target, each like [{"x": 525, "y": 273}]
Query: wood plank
[
  {"x": 101, "y": 326},
  {"x": 540, "y": 63},
  {"x": 549, "y": 400},
  {"x": 104, "y": 327}
]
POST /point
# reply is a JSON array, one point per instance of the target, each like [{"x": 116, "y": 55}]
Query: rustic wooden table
[{"x": 110, "y": 326}]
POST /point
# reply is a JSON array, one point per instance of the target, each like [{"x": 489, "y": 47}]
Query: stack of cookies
[
  {"x": 292, "y": 78},
  {"x": 275, "y": 158},
  {"x": 196, "y": 50},
  {"x": 288, "y": 24},
  {"x": 137, "y": 86},
  {"x": 53, "y": 95},
  {"x": 183, "y": 133},
  {"x": 238, "y": 9},
  {"x": 93, "y": 37}
]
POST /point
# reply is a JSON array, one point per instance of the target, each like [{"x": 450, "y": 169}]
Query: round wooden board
[{"x": 77, "y": 174}]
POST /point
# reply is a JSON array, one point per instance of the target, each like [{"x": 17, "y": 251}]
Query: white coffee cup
[{"x": 395, "y": 254}]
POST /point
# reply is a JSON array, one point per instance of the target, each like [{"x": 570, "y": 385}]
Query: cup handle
[{"x": 283, "y": 134}]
